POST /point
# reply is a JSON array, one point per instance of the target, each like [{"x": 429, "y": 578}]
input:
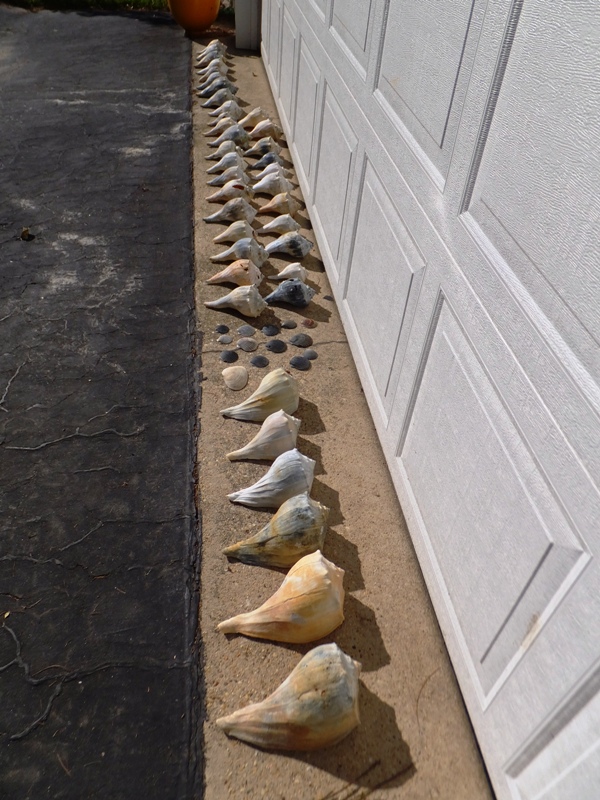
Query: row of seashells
[{"x": 317, "y": 705}]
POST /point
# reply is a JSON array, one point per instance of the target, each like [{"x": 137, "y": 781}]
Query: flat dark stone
[
  {"x": 229, "y": 356},
  {"x": 301, "y": 340},
  {"x": 259, "y": 361},
  {"x": 290, "y": 324},
  {"x": 270, "y": 330},
  {"x": 276, "y": 346},
  {"x": 221, "y": 329},
  {"x": 310, "y": 354},
  {"x": 299, "y": 362}
]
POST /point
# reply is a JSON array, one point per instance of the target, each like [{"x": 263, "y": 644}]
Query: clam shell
[
  {"x": 291, "y": 473},
  {"x": 277, "y": 434},
  {"x": 295, "y": 270},
  {"x": 293, "y": 292},
  {"x": 259, "y": 361},
  {"x": 247, "y": 344},
  {"x": 235, "y": 378},
  {"x": 277, "y": 390},
  {"x": 293, "y": 243},
  {"x": 242, "y": 272},
  {"x": 229, "y": 356},
  {"x": 276, "y": 346},
  {"x": 235, "y": 209},
  {"x": 282, "y": 203},
  {"x": 246, "y": 330},
  {"x": 244, "y": 299},
  {"x": 300, "y": 362},
  {"x": 301, "y": 340}
]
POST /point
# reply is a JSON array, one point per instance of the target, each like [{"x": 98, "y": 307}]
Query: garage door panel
[
  {"x": 305, "y": 117},
  {"x": 351, "y": 25},
  {"x": 287, "y": 69}
]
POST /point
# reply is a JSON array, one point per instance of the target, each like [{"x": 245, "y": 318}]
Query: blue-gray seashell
[{"x": 293, "y": 292}]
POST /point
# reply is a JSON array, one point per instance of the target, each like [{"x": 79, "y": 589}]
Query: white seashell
[
  {"x": 277, "y": 434},
  {"x": 316, "y": 706},
  {"x": 235, "y": 378},
  {"x": 295, "y": 270},
  {"x": 218, "y": 99},
  {"x": 308, "y": 605},
  {"x": 222, "y": 150},
  {"x": 242, "y": 273},
  {"x": 244, "y": 299},
  {"x": 219, "y": 126},
  {"x": 252, "y": 117},
  {"x": 263, "y": 146},
  {"x": 235, "y": 209},
  {"x": 273, "y": 184},
  {"x": 282, "y": 203},
  {"x": 212, "y": 85},
  {"x": 267, "y": 160},
  {"x": 277, "y": 390},
  {"x": 295, "y": 530},
  {"x": 266, "y": 128},
  {"x": 216, "y": 65},
  {"x": 273, "y": 168},
  {"x": 231, "y": 190},
  {"x": 293, "y": 243},
  {"x": 232, "y": 158},
  {"x": 214, "y": 49},
  {"x": 291, "y": 473},
  {"x": 230, "y": 107},
  {"x": 243, "y": 248},
  {"x": 240, "y": 229},
  {"x": 293, "y": 292},
  {"x": 282, "y": 224},
  {"x": 234, "y": 133},
  {"x": 234, "y": 173}
]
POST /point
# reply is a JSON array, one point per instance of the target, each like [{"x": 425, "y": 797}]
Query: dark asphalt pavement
[{"x": 98, "y": 530}]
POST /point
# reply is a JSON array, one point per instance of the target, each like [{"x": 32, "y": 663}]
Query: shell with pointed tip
[
  {"x": 242, "y": 273},
  {"x": 316, "y": 706},
  {"x": 230, "y": 107},
  {"x": 272, "y": 184},
  {"x": 214, "y": 66},
  {"x": 293, "y": 292},
  {"x": 240, "y": 229},
  {"x": 277, "y": 435},
  {"x": 281, "y": 224},
  {"x": 293, "y": 243},
  {"x": 218, "y": 99},
  {"x": 277, "y": 390},
  {"x": 213, "y": 83},
  {"x": 297, "y": 529},
  {"x": 266, "y": 128},
  {"x": 243, "y": 248},
  {"x": 235, "y": 209},
  {"x": 222, "y": 150},
  {"x": 231, "y": 159},
  {"x": 295, "y": 270},
  {"x": 274, "y": 167},
  {"x": 282, "y": 203},
  {"x": 265, "y": 145},
  {"x": 229, "y": 191},
  {"x": 267, "y": 160},
  {"x": 234, "y": 133},
  {"x": 208, "y": 55},
  {"x": 244, "y": 299},
  {"x": 254, "y": 116},
  {"x": 291, "y": 473},
  {"x": 234, "y": 173},
  {"x": 220, "y": 125},
  {"x": 308, "y": 605}
]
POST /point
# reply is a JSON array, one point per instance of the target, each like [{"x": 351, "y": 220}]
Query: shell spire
[
  {"x": 277, "y": 434},
  {"x": 277, "y": 390},
  {"x": 291, "y": 473}
]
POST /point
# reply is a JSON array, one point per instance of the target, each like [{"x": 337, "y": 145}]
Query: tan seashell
[
  {"x": 282, "y": 203},
  {"x": 291, "y": 473},
  {"x": 266, "y": 128},
  {"x": 243, "y": 273},
  {"x": 316, "y": 706},
  {"x": 295, "y": 270},
  {"x": 295, "y": 530},
  {"x": 230, "y": 108},
  {"x": 244, "y": 299},
  {"x": 235, "y": 378},
  {"x": 272, "y": 184},
  {"x": 277, "y": 434},
  {"x": 231, "y": 190},
  {"x": 277, "y": 390},
  {"x": 252, "y": 117},
  {"x": 240, "y": 229},
  {"x": 308, "y": 605}
]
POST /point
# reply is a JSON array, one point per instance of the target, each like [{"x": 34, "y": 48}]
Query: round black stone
[
  {"x": 246, "y": 330},
  {"x": 221, "y": 329},
  {"x": 299, "y": 362},
  {"x": 259, "y": 361},
  {"x": 310, "y": 354},
  {"x": 270, "y": 330},
  {"x": 289, "y": 323},
  {"x": 228, "y": 356},
  {"x": 301, "y": 340},
  {"x": 276, "y": 346}
]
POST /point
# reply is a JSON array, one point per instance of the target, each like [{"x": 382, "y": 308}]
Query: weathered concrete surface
[
  {"x": 415, "y": 739},
  {"x": 98, "y": 542}
]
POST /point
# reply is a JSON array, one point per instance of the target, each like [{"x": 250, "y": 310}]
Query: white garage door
[{"x": 449, "y": 152}]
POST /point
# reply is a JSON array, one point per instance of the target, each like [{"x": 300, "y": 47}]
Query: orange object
[{"x": 194, "y": 15}]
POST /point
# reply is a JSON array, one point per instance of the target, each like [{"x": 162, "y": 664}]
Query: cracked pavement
[{"x": 99, "y": 532}]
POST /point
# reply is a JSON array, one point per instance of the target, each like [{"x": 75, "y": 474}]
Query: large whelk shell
[
  {"x": 235, "y": 378},
  {"x": 308, "y": 605},
  {"x": 278, "y": 169},
  {"x": 235, "y": 209},
  {"x": 263, "y": 146},
  {"x": 295, "y": 270},
  {"x": 277, "y": 435},
  {"x": 267, "y": 160},
  {"x": 219, "y": 126},
  {"x": 235, "y": 173},
  {"x": 284, "y": 223},
  {"x": 291, "y": 473},
  {"x": 240, "y": 229},
  {"x": 266, "y": 128},
  {"x": 293, "y": 243},
  {"x": 231, "y": 159},
  {"x": 218, "y": 98},
  {"x": 213, "y": 84},
  {"x": 242, "y": 273},
  {"x": 244, "y": 299},
  {"x": 214, "y": 66},
  {"x": 273, "y": 184},
  {"x": 223, "y": 150},
  {"x": 231, "y": 108},
  {"x": 231, "y": 190},
  {"x": 277, "y": 390},
  {"x": 252, "y": 117},
  {"x": 234, "y": 133},
  {"x": 316, "y": 705},
  {"x": 296, "y": 530},
  {"x": 282, "y": 203},
  {"x": 244, "y": 248},
  {"x": 214, "y": 49},
  {"x": 293, "y": 292}
]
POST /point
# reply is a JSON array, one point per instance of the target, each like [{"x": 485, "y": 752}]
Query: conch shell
[
  {"x": 293, "y": 243},
  {"x": 218, "y": 98},
  {"x": 316, "y": 706},
  {"x": 293, "y": 292},
  {"x": 231, "y": 190},
  {"x": 308, "y": 605},
  {"x": 223, "y": 150},
  {"x": 252, "y": 117},
  {"x": 278, "y": 169},
  {"x": 266, "y": 128},
  {"x": 277, "y": 390},
  {"x": 284, "y": 223},
  {"x": 231, "y": 159},
  {"x": 273, "y": 184},
  {"x": 230, "y": 108},
  {"x": 234, "y": 133},
  {"x": 233, "y": 173},
  {"x": 277, "y": 435},
  {"x": 213, "y": 84},
  {"x": 267, "y": 160},
  {"x": 220, "y": 125},
  {"x": 235, "y": 209},
  {"x": 282, "y": 203},
  {"x": 291, "y": 473},
  {"x": 295, "y": 270},
  {"x": 243, "y": 273},
  {"x": 263, "y": 146},
  {"x": 297, "y": 529},
  {"x": 240, "y": 229},
  {"x": 244, "y": 248},
  {"x": 244, "y": 299},
  {"x": 214, "y": 66},
  {"x": 214, "y": 49}
]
